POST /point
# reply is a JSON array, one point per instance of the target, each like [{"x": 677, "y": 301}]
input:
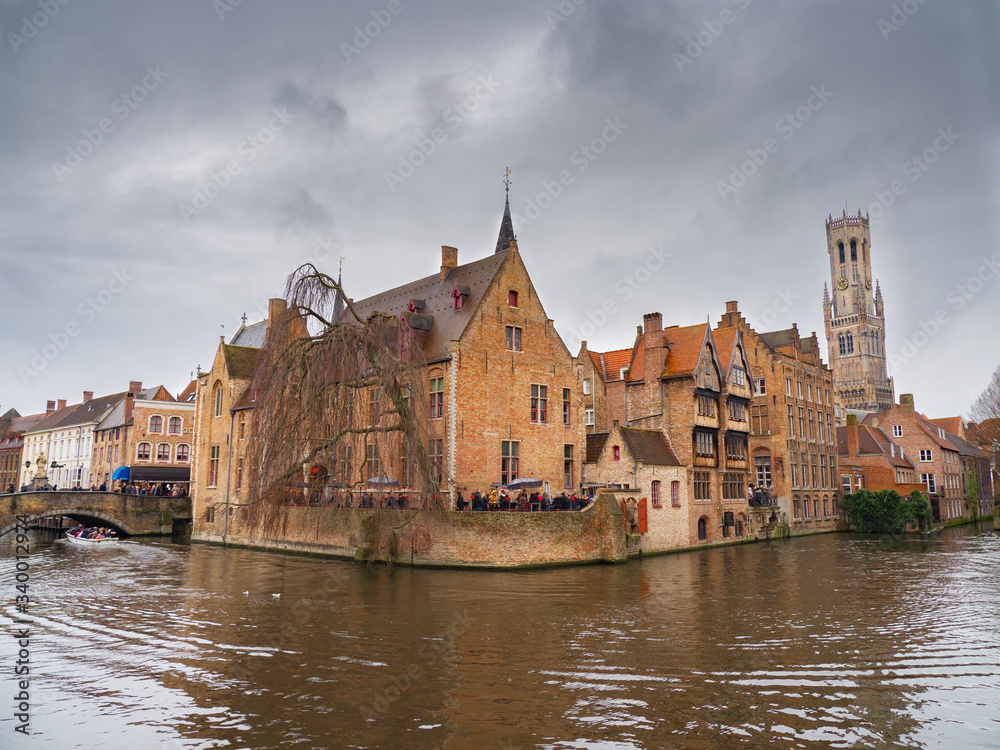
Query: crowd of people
[
  {"x": 759, "y": 495},
  {"x": 501, "y": 500},
  {"x": 176, "y": 489}
]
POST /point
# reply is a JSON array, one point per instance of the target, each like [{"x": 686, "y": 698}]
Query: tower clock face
[
  {"x": 842, "y": 284},
  {"x": 868, "y": 283}
]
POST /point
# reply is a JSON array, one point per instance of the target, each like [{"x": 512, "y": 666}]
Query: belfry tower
[{"x": 855, "y": 318}]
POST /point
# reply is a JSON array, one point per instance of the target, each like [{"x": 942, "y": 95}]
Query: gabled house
[
  {"x": 642, "y": 466},
  {"x": 694, "y": 386},
  {"x": 792, "y": 428}
]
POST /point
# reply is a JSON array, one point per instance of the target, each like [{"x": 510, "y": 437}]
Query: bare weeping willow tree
[
  {"x": 985, "y": 411},
  {"x": 335, "y": 420}
]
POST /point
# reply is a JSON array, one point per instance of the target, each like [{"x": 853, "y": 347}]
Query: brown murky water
[{"x": 832, "y": 641}]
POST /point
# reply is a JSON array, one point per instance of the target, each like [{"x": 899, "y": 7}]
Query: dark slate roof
[
  {"x": 965, "y": 447},
  {"x": 241, "y": 361},
  {"x": 506, "y": 229},
  {"x": 251, "y": 336},
  {"x": 649, "y": 447},
  {"x": 115, "y": 417},
  {"x": 10, "y": 414},
  {"x": 449, "y": 324},
  {"x": 777, "y": 339},
  {"x": 595, "y": 444},
  {"x": 91, "y": 412}
]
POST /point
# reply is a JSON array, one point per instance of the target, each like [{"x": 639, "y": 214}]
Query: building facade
[
  {"x": 854, "y": 318},
  {"x": 793, "y": 445},
  {"x": 694, "y": 386},
  {"x": 148, "y": 431},
  {"x": 936, "y": 460},
  {"x": 869, "y": 460}
]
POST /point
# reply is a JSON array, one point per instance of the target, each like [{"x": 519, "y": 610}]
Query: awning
[
  {"x": 121, "y": 474},
  {"x": 160, "y": 474}
]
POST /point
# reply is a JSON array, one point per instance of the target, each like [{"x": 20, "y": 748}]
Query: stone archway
[{"x": 84, "y": 516}]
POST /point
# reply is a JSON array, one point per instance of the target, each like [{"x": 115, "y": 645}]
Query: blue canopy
[{"x": 122, "y": 472}]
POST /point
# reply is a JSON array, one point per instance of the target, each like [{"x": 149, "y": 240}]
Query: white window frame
[
  {"x": 761, "y": 387},
  {"x": 926, "y": 454},
  {"x": 897, "y": 430},
  {"x": 588, "y": 417}
]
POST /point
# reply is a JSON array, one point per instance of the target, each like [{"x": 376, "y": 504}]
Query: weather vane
[
  {"x": 506, "y": 181},
  {"x": 341, "y": 269}
]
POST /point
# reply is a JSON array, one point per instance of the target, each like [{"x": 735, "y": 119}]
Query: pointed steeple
[
  {"x": 506, "y": 225},
  {"x": 339, "y": 301},
  {"x": 826, "y": 297}
]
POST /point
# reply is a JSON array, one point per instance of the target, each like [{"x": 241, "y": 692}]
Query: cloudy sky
[{"x": 164, "y": 166}]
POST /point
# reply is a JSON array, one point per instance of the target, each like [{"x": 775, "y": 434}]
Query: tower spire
[{"x": 506, "y": 225}]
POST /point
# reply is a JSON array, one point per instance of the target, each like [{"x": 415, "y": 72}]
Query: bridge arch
[{"x": 79, "y": 514}]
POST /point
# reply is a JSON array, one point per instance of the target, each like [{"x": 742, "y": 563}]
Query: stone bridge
[{"x": 134, "y": 515}]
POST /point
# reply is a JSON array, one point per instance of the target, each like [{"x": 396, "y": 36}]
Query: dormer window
[
  {"x": 416, "y": 306},
  {"x": 621, "y": 372},
  {"x": 512, "y": 298},
  {"x": 460, "y": 294}
]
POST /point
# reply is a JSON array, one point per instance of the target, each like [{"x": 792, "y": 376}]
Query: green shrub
[{"x": 886, "y": 512}]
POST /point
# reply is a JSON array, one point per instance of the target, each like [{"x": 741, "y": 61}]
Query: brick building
[
  {"x": 149, "y": 432},
  {"x": 868, "y": 459},
  {"x": 502, "y": 388},
  {"x": 12, "y": 429},
  {"x": 693, "y": 386},
  {"x": 602, "y": 381},
  {"x": 221, "y": 400},
  {"x": 937, "y": 461},
  {"x": 792, "y": 440},
  {"x": 658, "y": 508}
]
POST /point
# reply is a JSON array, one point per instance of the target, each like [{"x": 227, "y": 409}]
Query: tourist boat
[{"x": 73, "y": 539}]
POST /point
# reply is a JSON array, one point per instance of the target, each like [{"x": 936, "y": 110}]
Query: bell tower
[{"x": 855, "y": 318}]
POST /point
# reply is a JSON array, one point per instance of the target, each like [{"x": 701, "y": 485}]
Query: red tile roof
[
  {"x": 725, "y": 344},
  {"x": 684, "y": 349}
]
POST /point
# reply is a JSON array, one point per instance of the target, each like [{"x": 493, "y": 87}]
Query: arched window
[
  {"x": 840, "y": 246},
  {"x": 142, "y": 451},
  {"x": 850, "y": 343},
  {"x": 864, "y": 252},
  {"x": 616, "y": 453},
  {"x": 183, "y": 453},
  {"x": 156, "y": 424},
  {"x": 805, "y": 507},
  {"x": 702, "y": 529},
  {"x": 854, "y": 249},
  {"x": 218, "y": 399},
  {"x": 174, "y": 425},
  {"x": 796, "y": 509},
  {"x": 163, "y": 452},
  {"x": 842, "y": 344}
]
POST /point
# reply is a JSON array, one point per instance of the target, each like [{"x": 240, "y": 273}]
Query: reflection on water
[{"x": 829, "y": 641}]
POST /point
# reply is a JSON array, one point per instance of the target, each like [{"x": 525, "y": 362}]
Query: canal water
[{"x": 836, "y": 641}]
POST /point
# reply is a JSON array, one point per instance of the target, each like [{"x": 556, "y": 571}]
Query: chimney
[
  {"x": 906, "y": 401},
  {"x": 852, "y": 435},
  {"x": 449, "y": 260},
  {"x": 87, "y": 396},
  {"x": 50, "y": 406},
  {"x": 129, "y": 404},
  {"x": 731, "y": 318},
  {"x": 61, "y": 404},
  {"x": 275, "y": 308},
  {"x": 134, "y": 386},
  {"x": 653, "y": 354}
]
